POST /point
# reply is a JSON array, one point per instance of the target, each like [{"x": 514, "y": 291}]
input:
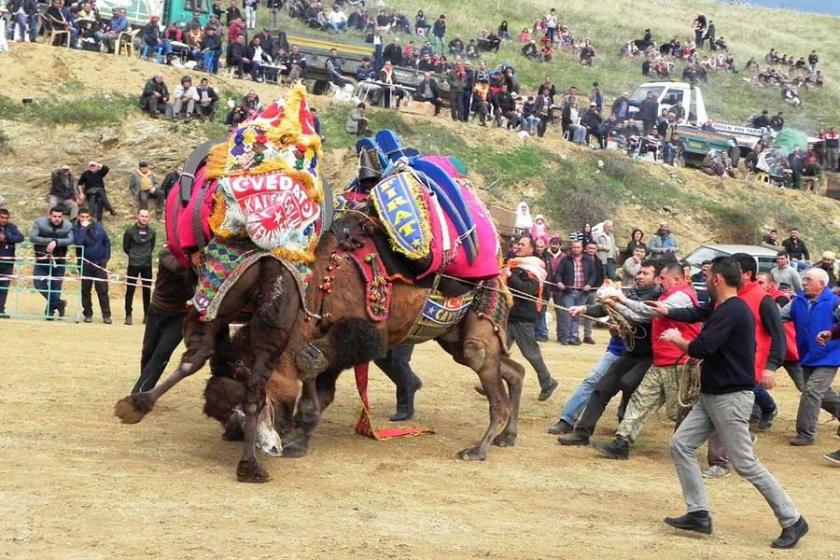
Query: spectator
[
  {"x": 239, "y": 57},
  {"x": 259, "y": 58},
  {"x": 777, "y": 123},
  {"x": 525, "y": 36},
  {"x": 813, "y": 60},
  {"x": 296, "y": 63},
  {"x": 457, "y": 79},
  {"x": 211, "y": 50},
  {"x": 631, "y": 266},
  {"x": 232, "y": 13},
  {"x": 335, "y": 68},
  {"x": 9, "y": 237},
  {"x": 587, "y": 54},
  {"x": 165, "y": 318},
  {"x": 427, "y": 91},
  {"x": 152, "y": 39},
  {"x": 607, "y": 250},
  {"x": 592, "y": 122},
  {"x": 621, "y": 107},
  {"x": 663, "y": 246},
  {"x": 64, "y": 193},
  {"x": 25, "y": 17},
  {"x": 143, "y": 185},
  {"x": 438, "y": 34},
  {"x": 111, "y": 32},
  {"x": 357, "y": 122},
  {"x": 207, "y": 98},
  {"x": 574, "y": 281},
  {"x": 783, "y": 273},
  {"x": 92, "y": 183},
  {"x": 60, "y": 20},
  {"x": 274, "y": 7},
  {"x": 636, "y": 242},
  {"x": 171, "y": 179},
  {"x": 481, "y": 100},
  {"x": 771, "y": 241},
  {"x": 796, "y": 250},
  {"x": 95, "y": 253},
  {"x": 827, "y": 264},
  {"x": 139, "y": 244},
  {"x": 648, "y": 111},
  {"x": 337, "y": 19},
  {"x": 51, "y": 235},
  {"x": 155, "y": 96},
  {"x": 393, "y": 52},
  {"x": 421, "y": 25},
  {"x": 831, "y": 143},
  {"x": 551, "y": 25},
  {"x": 596, "y": 96},
  {"x": 251, "y": 13},
  {"x": 503, "y": 31}
]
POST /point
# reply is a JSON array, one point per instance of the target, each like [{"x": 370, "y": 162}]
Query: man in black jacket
[
  {"x": 574, "y": 279},
  {"x": 64, "y": 192},
  {"x": 427, "y": 91},
  {"x": 626, "y": 373},
  {"x": 9, "y": 237},
  {"x": 523, "y": 315},
  {"x": 239, "y": 56},
  {"x": 727, "y": 347},
  {"x": 649, "y": 111},
  {"x": 393, "y": 52},
  {"x": 796, "y": 250},
  {"x": 92, "y": 183},
  {"x": 155, "y": 96},
  {"x": 138, "y": 244}
]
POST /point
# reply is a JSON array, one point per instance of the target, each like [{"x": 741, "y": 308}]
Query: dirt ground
[{"x": 76, "y": 484}]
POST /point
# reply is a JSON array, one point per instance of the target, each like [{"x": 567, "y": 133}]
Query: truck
[{"x": 717, "y": 136}]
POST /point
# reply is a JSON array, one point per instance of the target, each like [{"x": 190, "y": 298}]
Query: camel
[{"x": 318, "y": 351}]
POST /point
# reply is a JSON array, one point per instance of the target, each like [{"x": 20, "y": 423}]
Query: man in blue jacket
[
  {"x": 9, "y": 237},
  {"x": 97, "y": 252},
  {"x": 51, "y": 235},
  {"x": 812, "y": 311}
]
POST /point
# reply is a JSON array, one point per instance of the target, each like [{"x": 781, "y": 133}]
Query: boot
[
  {"x": 697, "y": 521},
  {"x": 405, "y": 401},
  {"x": 791, "y": 535},
  {"x": 616, "y": 449}
]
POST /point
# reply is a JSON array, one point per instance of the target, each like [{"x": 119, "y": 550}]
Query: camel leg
[
  {"x": 274, "y": 316},
  {"x": 513, "y": 373},
  {"x": 316, "y": 397},
  {"x": 200, "y": 338}
]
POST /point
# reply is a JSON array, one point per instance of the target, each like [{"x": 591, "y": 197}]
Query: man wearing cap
[
  {"x": 143, "y": 185},
  {"x": 663, "y": 245},
  {"x": 827, "y": 263},
  {"x": 64, "y": 192},
  {"x": 92, "y": 183},
  {"x": 153, "y": 40}
]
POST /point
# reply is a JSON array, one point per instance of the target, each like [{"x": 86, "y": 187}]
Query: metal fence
[{"x": 30, "y": 279}]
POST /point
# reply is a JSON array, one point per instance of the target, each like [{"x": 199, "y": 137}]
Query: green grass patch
[{"x": 95, "y": 110}]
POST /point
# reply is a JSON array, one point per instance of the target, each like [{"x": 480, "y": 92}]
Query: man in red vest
[
  {"x": 659, "y": 385},
  {"x": 770, "y": 349}
]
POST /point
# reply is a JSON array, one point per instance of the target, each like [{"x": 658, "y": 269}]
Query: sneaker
[
  {"x": 545, "y": 394},
  {"x": 716, "y": 471},
  {"x": 588, "y": 340},
  {"x": 561, "y": 427},
  {"x": 765, "y": 421},
  {"x": 128, "y": 320},
  {"x": 88, "y": 319},
  {"x": 106, "y": 320},
  {"x": 833, "y": 457}
]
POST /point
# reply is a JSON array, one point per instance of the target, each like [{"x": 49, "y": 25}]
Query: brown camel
[
  {"x": 318, "y": 351},
  {"x": 267, "y": 288}
]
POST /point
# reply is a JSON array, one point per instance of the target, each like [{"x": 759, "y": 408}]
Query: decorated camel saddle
[
  {"x": 437, "y": 231},
  {"x": 256, "y": 194}
]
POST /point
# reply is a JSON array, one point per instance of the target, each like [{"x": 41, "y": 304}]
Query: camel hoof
[
  {"x": 293, "y": 451},
  {"x": 505, "y": 440},
  {"x": 472, "y": 454},
  {"x": 251, "y": 471},
  {"x": 132, "y": 409}
]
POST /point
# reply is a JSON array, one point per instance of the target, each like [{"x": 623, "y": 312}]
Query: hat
[
  {"x": 65, "y": 166},
  {"x": 593, "y": 104},
  {"x": 829, "y": 255},
  {"x": 143, "y": 163},
  {"x": 93, "y": 163}
]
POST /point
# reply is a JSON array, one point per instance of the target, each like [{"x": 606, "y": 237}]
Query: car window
[
  {"x": 641, "y": 92},
  {"x": 700, "y": 254},
  {"x": 765, "y": 264}
]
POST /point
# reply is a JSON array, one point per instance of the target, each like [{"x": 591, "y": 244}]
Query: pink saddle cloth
[
  {"x": 182, "y": 231},
  {"x": 486, "y": 265}
]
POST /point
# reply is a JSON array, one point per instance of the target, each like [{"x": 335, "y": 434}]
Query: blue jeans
[
  {"x": 48, "y": 282},
  {"x": 574, "y": 406},
  {"x": 541, "y": 328},
  {"x": 763, "y": 399},
  {"x": 210, "y": 61},
  {"x": 568, "y": 324}
]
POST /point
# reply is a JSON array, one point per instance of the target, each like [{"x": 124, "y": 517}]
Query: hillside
[
  {"x": 92, "y": 115},
  {"x": 749, "y": 31}
]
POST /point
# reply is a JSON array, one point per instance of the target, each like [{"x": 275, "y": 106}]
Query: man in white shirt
[{"x": 185, "y": 98}]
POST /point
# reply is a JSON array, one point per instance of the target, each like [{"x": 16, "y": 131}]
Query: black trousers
[
  {"x": 96, "y": 278},
  {"x": 6, "y": 269},
  {"x": 136, "y": 275},
  {"x": 397, "y": 366},
  {"x": 163, "y": 334},
  {"x": 624, "y": 374},
  {"x": 98, "y": 202}
]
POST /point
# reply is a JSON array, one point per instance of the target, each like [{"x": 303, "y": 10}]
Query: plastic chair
[
  {"x": 56, "y": 33},
  {"x": 144, "y": 53},
  {"x": 126, "y": 40}
]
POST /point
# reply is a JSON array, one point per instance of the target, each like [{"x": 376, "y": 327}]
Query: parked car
[{"x": 765, "y": 258}]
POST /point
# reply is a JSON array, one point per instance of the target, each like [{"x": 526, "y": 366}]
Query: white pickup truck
[{"x": 691, "y": 98}]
